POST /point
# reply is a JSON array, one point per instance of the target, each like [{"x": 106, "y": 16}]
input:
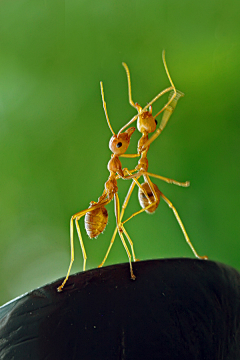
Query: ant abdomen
[
  {"x": 95, "y": 221},
  {"x": 144, "y": 201}
]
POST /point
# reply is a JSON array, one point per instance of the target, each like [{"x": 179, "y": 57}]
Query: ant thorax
[
  {"x": 142, "y": 142},
  {"x": 114, "y": 165},
  {"x": 111, "y": 185},
  {"x": 143, "y": 162}
]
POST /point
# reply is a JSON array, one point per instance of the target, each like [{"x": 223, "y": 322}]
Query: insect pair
[{"x": 96, "y": 216}]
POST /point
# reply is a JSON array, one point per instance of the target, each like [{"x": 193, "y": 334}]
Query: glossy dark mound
[{"x": 175, "y": 309}]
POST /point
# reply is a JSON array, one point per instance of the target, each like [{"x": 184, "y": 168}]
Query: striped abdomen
[
  {"x": 95, "y": 221},
  {"x": 143, "y": 200}
]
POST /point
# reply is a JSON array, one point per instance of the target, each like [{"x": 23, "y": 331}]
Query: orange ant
[
  {"x": 96, "y": 215},
  {"x": 148, "y": 192}
]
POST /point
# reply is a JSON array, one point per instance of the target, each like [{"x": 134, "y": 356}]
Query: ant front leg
[
  {"x": 168, "y": 180},
  {"x": 163, "y": 178}
]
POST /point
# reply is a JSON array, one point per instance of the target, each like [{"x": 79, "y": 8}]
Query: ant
[
  {"x": 148, "y": 193},
  {"x": 96, "y": 216}
]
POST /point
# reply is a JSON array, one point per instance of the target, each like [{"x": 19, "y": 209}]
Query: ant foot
[{"x": 203, "y": 257}]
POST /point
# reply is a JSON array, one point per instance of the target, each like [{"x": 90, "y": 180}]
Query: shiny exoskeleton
[
  {"x": 96, "y": 215},
  {"x": 96, "y": 218},
  {"x": 95, "y": 221},
  {"x": 148, "y": 193},
  {"x": 146, "y": 124},
  {"x": 149, "y": 199}
]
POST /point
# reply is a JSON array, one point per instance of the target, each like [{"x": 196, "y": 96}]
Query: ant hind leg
[{"x": 182, "y": 227}]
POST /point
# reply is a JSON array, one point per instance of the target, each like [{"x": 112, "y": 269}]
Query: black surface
[{"x": 175, "y": 309}]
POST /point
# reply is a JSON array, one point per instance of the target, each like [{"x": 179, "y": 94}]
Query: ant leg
[
  {"x": 170, "y": 205},
  {"x": 135, "y": 182},
  {"x": 182, "y": 227},
  {"x": 143, "y": 173},
  {"x": 81, "y": 243},
  {"x": 130, "y": 243},
  {"x": 59, "y": 289},
  {"x": 120, "y": 230},
  {"x": 129, "y": 155},
  {"x": 146, "y": 194},
  {"x": 77, "y": 217},
  {"x": 156, "y": 199},
  {"x": 109, "y": 248},
  {"x": 169, "y": 181},
  {"x": 126, "y": 201},
  {"x": 116, "y": 229}
]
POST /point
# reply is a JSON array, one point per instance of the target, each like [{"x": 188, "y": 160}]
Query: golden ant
[
  {"x": 148, "y": 192},
  {"x": 96, "y": 215},
  {"x": 149, "y": 195}
]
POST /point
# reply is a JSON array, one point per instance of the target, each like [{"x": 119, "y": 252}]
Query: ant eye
[
  {"x": 119, "y": 145},
  {"x": 155, "y": 121}
]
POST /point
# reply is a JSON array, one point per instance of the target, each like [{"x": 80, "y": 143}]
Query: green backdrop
[{"x": 54, "y": 136}]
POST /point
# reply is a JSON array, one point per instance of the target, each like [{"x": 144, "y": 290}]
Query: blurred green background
[{"x": 54, "y": 137}]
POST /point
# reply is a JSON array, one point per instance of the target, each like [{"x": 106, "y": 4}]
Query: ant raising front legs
[
  {"x": 148, "y": 193},
  {"x": 96, "y": 215}
]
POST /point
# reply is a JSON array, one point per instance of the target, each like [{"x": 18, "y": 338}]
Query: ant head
[
  {"x": 119, "y": 143},
  {"x": 146, "y": 122}
]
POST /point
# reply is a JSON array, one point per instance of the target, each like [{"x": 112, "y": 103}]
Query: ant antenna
[
  {"x": 129, "y": 85},
  {"x": 172, "y": 87},
  {"x": 166, "y": 69},
  {"x": 105, "y": 108},
  {"x": 173, "y": 94}
]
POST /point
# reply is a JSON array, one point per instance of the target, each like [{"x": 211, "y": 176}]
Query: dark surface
[{"x": 175, "y": 309}]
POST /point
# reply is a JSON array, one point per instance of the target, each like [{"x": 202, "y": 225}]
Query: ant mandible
[
  {"x": 96, "y": 215},
  {"x": 148, "y": 193}
]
